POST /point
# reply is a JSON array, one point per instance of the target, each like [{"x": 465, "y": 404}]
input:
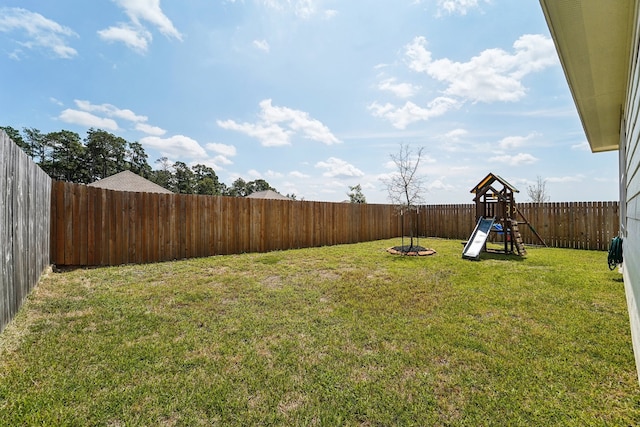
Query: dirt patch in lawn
[{"x": 411, "y": 250}]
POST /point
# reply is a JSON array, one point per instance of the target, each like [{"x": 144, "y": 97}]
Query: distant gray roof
[
  {"x": 268, "y": 194},
  {"x": 129, "y": 181}
]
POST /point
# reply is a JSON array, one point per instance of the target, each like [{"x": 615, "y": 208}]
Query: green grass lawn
[{"x": 343, "y": 335}]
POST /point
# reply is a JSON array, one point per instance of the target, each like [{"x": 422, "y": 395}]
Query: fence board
[
  {"x": 105, "y": 226},
  {"x": 18, "y": 234},
  {"x": 141, "y": 226},
  {"x": 172, "y": 240},
  {"x": 25, "y": 219},
  {"x": 67, "y": 210},
  {"x": 90, "y": 230},
  {"x": 164, "y": 202},
  {"x": 192, "y": 211},
  {"x": 153, "y": 233}
]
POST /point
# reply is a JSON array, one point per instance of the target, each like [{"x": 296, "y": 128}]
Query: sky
[{"x": 313, "y": 96}]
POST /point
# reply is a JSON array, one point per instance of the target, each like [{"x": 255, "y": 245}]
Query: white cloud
[
  {"x": 135, "y": 38},
  {"x": 425, "y": 159},
  {"x": 563, "y": 179},
  {"x": 368, "y": 186},
  {"x": 610, "y": 180},
  {"x": 401, "y": 117},
  {"x": 401, "y": 90},
  {"x": 273, "y": 174},
  {"x": 150, "y": 130},
  {"x": 178, "y": 146},
  {"x": 493, "y": 75},
  {"x": 222, "y": 160},
  {"x": 511, "y": 142},
  {"x": 439, "y": 184},
  {"x": 456, "y": 134},
  {"x": 304, "y": 9},
  {"x": 330, "y": 13},
  {"x": 516, "y": 160},
  {"x": 254, "y": 174},
  {"x": 269, "y": 135},
  {"x": 110, "y": 110},
  {"x": 263, "y": 45},
  {"x": 338, "y": 168},
  {"x": 419, "y": 58},
  {"x": 126, "y": 114},
  {"x": 582, "y": 146},
  {"x": 87, "y": 119},
  {"x": 460, "y": 7},
  {"x": 102, "y": 116},
  {"x": 298, "y": 121},
  {"x": 269, "y": 132},
  {"x": 150, "y": 11},
  {"x": 389, "y": 164},
  {"x": 40, "y": 32},
  {"x": 298, "y": 174},
  {"x": 213, "y": 162},
  {"x": 135, "y": 35},
  {"x": 224, "y": 149},
  {"x": 327, "y": 190}
]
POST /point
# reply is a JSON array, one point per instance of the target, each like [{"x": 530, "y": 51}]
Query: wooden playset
[{"x": 496, "y": 212}]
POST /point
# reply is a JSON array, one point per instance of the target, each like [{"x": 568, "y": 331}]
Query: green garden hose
[{"x": 615, "y": 252}]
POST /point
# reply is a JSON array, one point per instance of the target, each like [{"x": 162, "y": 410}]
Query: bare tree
[
  {"x": 406, "y": 187},
  {"x": 538, "y": 191}
]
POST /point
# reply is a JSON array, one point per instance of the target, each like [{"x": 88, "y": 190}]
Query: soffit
[{"x": 593, "y": 40}]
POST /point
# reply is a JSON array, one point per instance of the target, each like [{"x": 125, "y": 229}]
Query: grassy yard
[{"x": 344, "y": 335}]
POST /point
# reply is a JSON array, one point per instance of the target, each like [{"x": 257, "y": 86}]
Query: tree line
[{"x": 64, "y": 156}]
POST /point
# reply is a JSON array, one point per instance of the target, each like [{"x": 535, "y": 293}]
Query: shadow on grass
[
  {"x": 410, "y": 258},
  {"x": 498, "y": 256},
  {"x": 71, "y": 268}
]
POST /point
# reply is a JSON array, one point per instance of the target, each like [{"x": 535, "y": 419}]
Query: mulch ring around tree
[{"x": 411, "y": 250}]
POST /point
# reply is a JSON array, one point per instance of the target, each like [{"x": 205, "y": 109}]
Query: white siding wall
[{"x": 630, "y": 190}]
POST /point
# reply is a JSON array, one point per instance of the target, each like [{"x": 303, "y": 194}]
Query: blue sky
[{"x": 313, "y": 96}]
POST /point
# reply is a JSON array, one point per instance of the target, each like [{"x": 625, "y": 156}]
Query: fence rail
[{"x": 25, "y": 192}]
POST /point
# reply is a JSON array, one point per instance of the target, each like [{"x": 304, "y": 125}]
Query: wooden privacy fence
[
  {"x": 25, "y": 192},
  {"x": 446, "y": 221},
  {"x": 94, "y": 226},
  {"x": 575, "y": 225}
]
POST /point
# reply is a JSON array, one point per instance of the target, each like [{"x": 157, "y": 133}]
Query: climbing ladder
[{"x": 518, "y": 238}]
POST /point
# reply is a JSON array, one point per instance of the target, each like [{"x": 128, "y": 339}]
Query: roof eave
[{"x": 593, "y": 40}]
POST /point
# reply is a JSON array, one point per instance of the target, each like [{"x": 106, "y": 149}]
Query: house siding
[{"x": 630, "y": 193}]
